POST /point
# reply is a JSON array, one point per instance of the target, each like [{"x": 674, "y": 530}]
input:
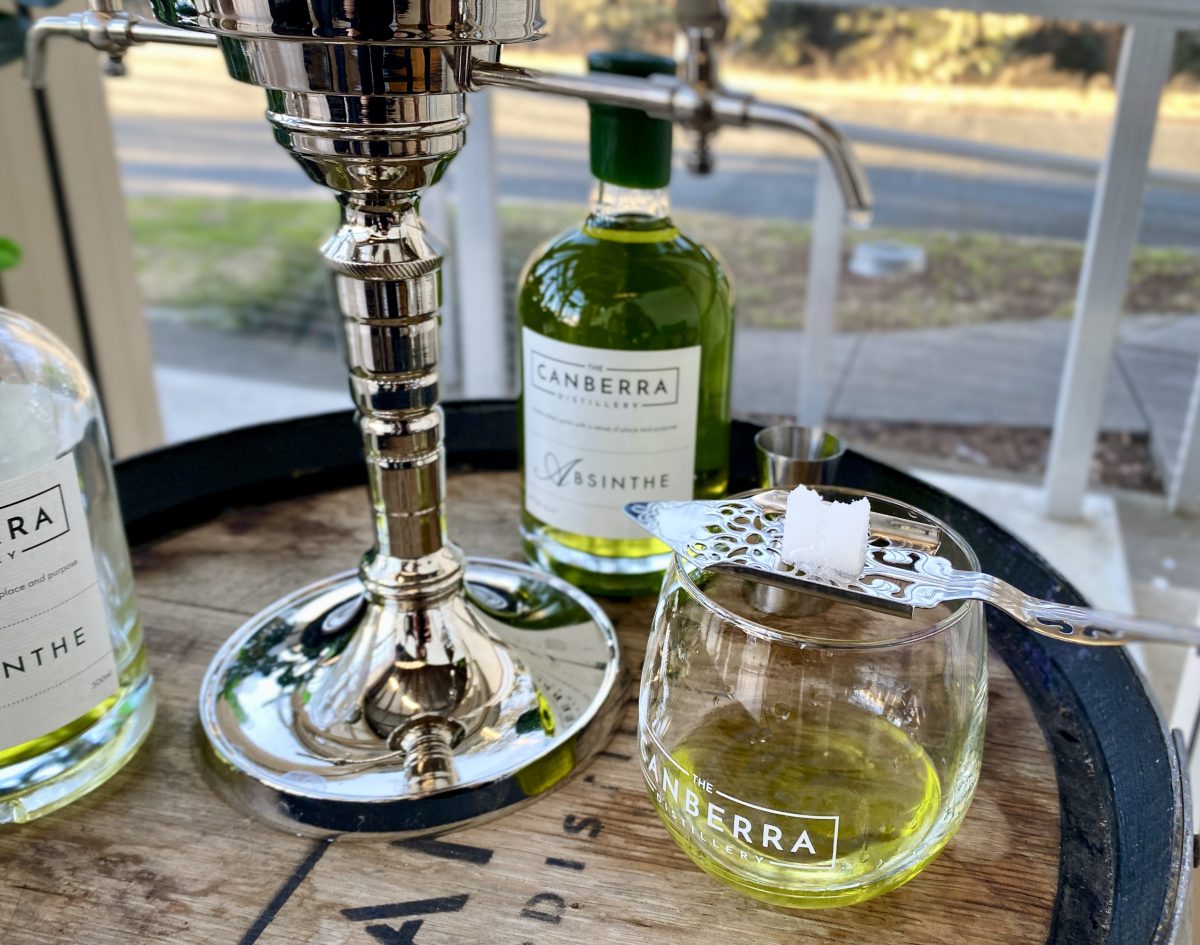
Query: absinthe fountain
[{"x": 426, "y": 690}]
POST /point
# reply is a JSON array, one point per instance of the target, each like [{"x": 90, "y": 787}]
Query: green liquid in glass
[{"x": 848, "y": 763}]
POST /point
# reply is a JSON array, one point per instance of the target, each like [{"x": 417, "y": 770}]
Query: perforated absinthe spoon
[{"x": 902, "y": 572}]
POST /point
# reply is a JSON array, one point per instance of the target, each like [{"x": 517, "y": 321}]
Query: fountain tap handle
[
  {"x": 710, "y": 16},
  {"x": 114, "y": 65},
  {"x": 702, "y": 25},
  {"x": 118, "y": 42}
]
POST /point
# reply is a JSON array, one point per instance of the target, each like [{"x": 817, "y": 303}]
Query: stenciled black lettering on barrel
[
  {"x": 463, "y": 852},
  {"x": 279, "y": 900},
  {"x": 545, "y": 907},
  {"x": 573, "y": 823},
  {"x": 406, "y": 933},
  {"x": 399, "y": 910},
  {"x": 564, "y": 864}
]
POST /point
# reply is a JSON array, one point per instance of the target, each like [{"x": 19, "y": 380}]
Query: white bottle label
[
  {"x": 603, "y": 428},
  {"x": 56, "y": 655}
]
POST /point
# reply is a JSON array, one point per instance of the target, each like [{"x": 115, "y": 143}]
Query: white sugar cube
[{"x": 825, "y": 539}]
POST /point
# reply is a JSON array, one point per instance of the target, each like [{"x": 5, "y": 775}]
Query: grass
[
  {"x": 237, "y": 264},
  {"x": 252, "y": 265}
]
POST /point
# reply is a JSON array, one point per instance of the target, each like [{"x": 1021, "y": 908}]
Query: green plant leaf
[{"x": 10, "y": 253}]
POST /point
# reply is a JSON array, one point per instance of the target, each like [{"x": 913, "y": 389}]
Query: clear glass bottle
[
  {"x": 76, "y": 697},
  {"x": 627, "y": 341}
]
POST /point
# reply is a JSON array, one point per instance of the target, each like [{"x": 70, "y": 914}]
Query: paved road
[{"x": 239, "y": 158}]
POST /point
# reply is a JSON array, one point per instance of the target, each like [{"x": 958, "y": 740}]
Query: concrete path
[{"x": 1005, "y": 374}]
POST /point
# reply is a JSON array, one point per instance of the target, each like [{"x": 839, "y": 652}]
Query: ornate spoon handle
[
  {"x": 939, "y": 582},
  {"x": 1078, "y": 624}
]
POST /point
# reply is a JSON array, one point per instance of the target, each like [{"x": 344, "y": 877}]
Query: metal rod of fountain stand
[
  {"x": 387, "y": 276},
  {"x": 404, "y": 669},
  {"x": 388, "y": 282}
]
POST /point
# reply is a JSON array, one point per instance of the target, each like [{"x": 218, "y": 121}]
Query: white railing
[{"x": 825, "y": 266}]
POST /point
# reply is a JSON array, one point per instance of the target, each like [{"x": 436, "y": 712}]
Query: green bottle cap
[{"x": 629, "y": 148}]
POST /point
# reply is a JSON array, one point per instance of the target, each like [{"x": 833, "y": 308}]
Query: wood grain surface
[{"x": 153, "y": 856}]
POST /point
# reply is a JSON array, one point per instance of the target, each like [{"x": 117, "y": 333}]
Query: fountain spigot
[
  {"x": 103, "y": 26},
  {"x": 673, "y": 99},
  {"x": 702, "y": 28},
  {"x": 696, "y": 100}
]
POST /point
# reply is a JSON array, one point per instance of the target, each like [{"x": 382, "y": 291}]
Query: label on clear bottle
[
  {"x": 56, "y": 655},
  {"x": 605, "y": 427}
]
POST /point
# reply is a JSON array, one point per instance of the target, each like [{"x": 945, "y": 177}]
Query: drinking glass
[{"x": 819, "y": 759}]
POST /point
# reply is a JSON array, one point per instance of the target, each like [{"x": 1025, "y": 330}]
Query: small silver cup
[{"x": 790, "y": 456}]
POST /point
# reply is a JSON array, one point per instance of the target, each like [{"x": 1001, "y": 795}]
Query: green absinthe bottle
[{"x": 626, "y": 341}]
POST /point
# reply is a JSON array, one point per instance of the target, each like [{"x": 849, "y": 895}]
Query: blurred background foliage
[{"x": 878, "y": 44}]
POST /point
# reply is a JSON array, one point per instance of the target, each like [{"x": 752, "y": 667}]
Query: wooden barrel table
[{"x": 1078, "y": 833}]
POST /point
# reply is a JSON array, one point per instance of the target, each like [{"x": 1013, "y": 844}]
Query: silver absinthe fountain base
[{"x": 312, "y": 725}]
